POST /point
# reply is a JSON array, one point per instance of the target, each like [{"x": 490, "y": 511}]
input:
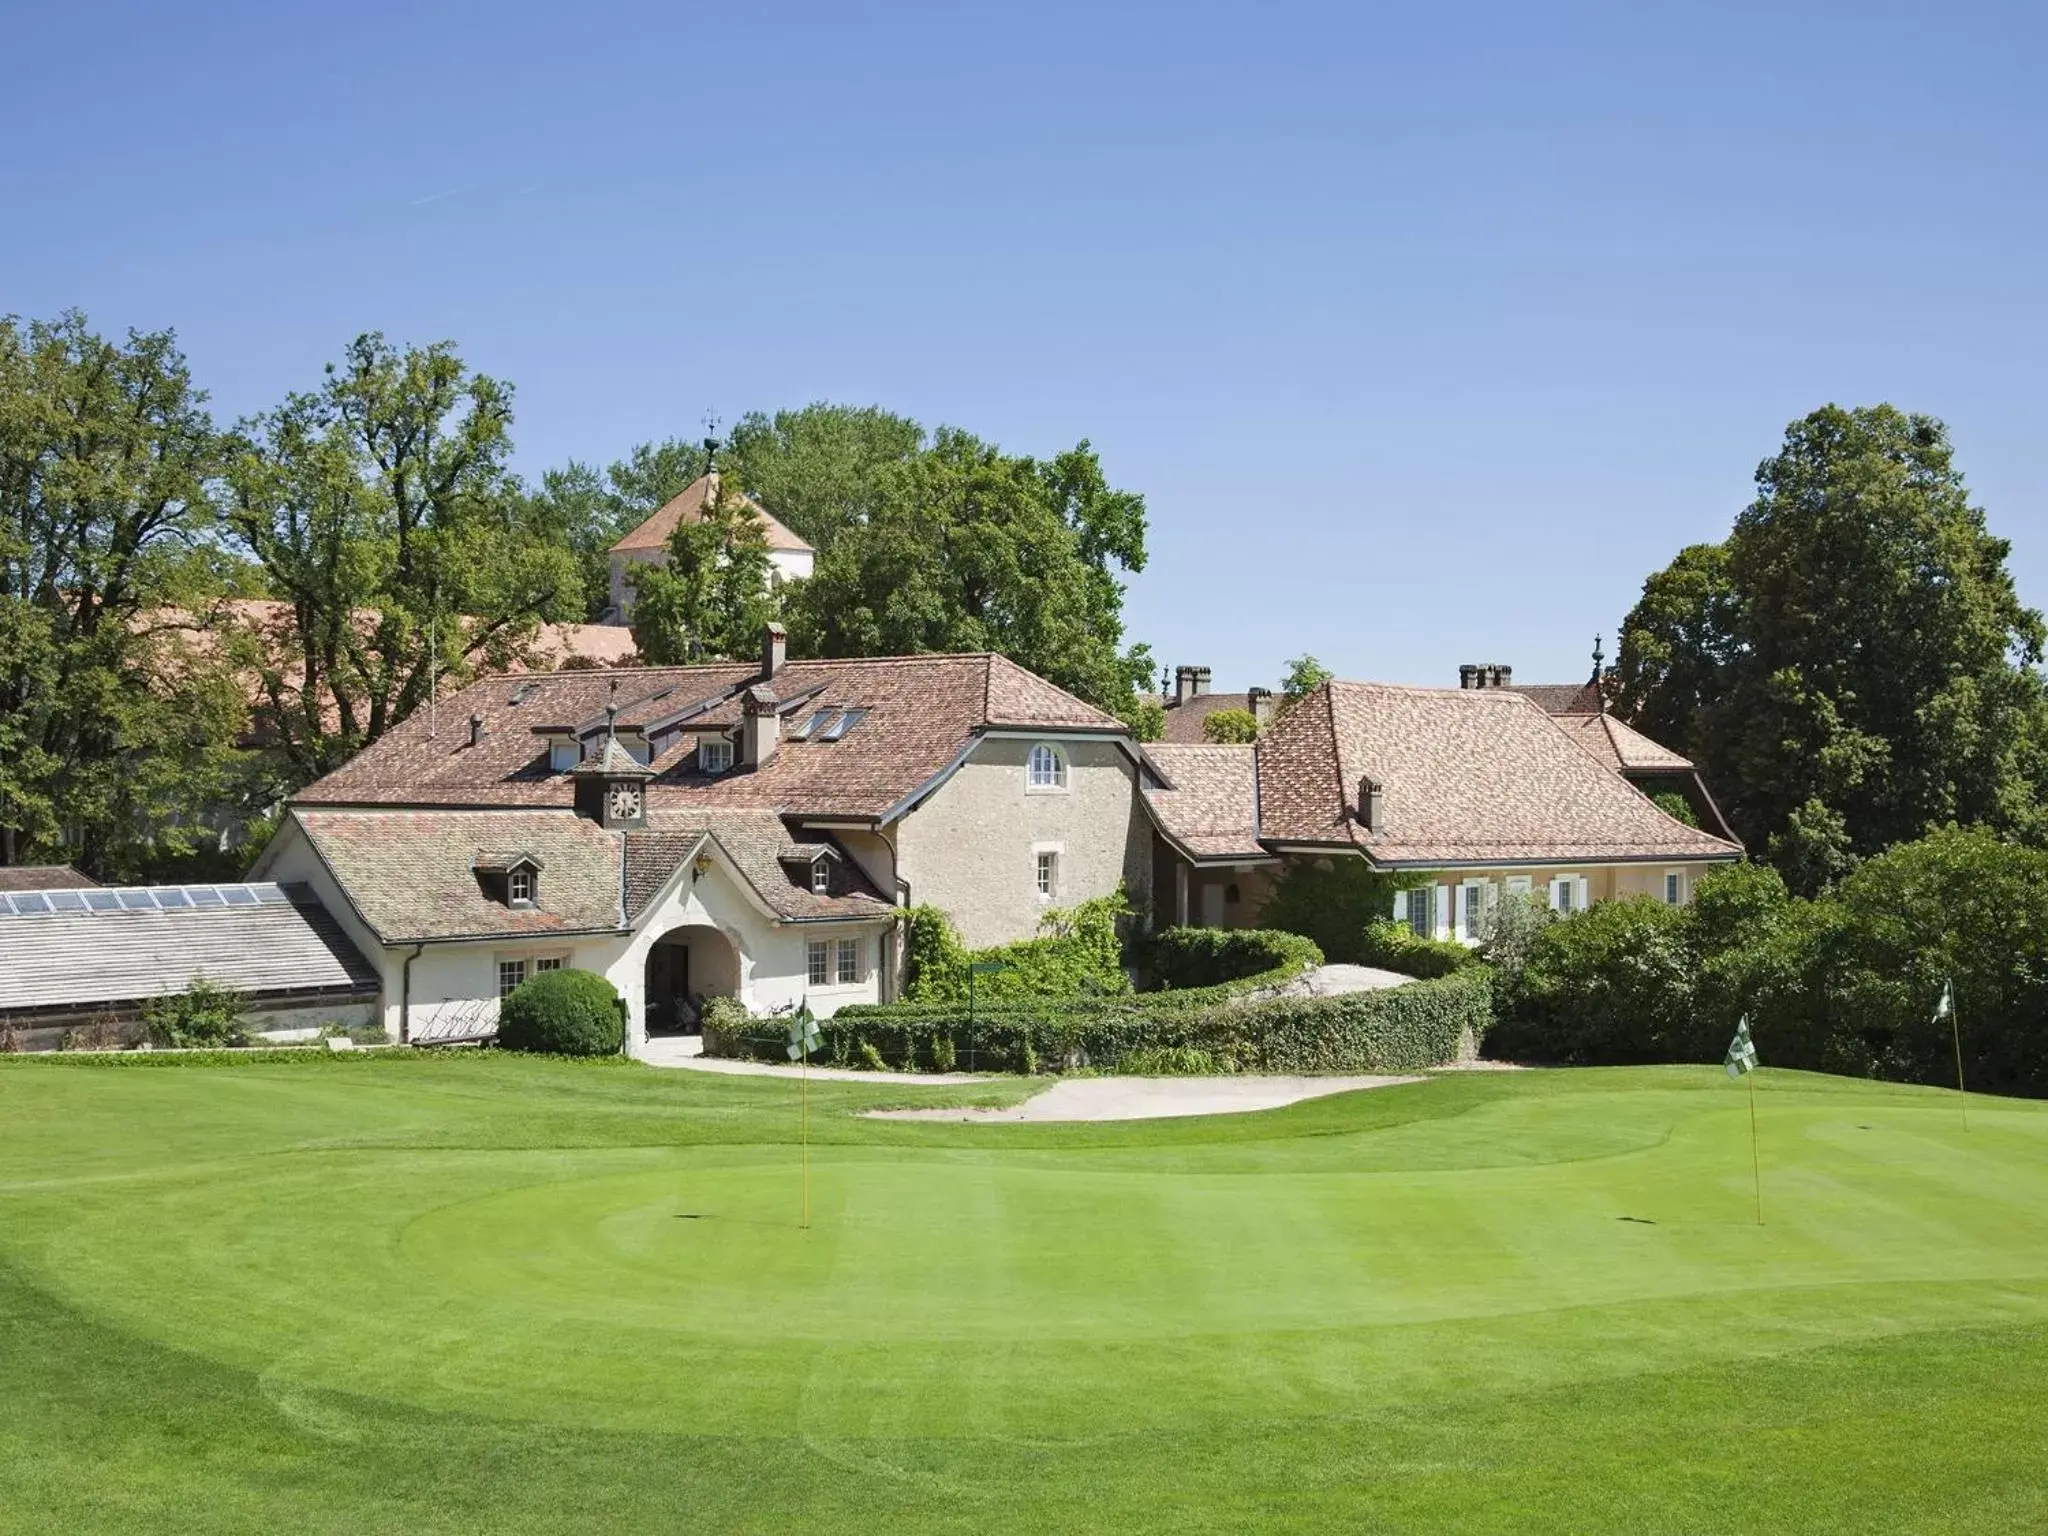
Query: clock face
[{"x": 625, "y": 802}]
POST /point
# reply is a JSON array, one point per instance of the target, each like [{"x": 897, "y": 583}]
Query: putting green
[{"x": 486, "y": 1251}]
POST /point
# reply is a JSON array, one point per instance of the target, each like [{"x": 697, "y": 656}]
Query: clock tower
[{"x": 611, "y": 787}]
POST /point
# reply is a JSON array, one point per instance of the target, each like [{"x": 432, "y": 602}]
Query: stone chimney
[
  {"x": 774, "y": 650},
  {"x": 476, "y": 729},
  {"x": 1189, "y": 683},
  {"x": 1371, "y": 805},
  {"x": 1260, "y": 701},
  {"x": 1487, "y": 674},
  {"x": 761, "y": 725}
]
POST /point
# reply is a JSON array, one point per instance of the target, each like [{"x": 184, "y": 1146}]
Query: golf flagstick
[
  {"x": 1946, "y": 1009},
  {"x": 803, "y": 1039},
  {"x": 1741, "y": 1062}
]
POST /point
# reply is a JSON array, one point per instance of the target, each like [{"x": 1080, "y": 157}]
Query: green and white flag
[
  {"x": 1741, "y": 1052},
  {"x": 803, "y": 1033},
  {"x": 1946, "y": 1008}
]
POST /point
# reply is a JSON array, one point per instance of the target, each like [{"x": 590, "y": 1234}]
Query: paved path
[
  {"x": 1153, "y": 1098},
  {"x": 1334, "y": 980}
]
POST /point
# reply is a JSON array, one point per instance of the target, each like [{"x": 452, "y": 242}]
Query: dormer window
[
  {"x": 511, "y": 877},
  {"x": 714, "y": 755},
  {"x": 564, "y": 754},
  {"x": 821, "y": 877},
  {"x": 519, "y": 886}
]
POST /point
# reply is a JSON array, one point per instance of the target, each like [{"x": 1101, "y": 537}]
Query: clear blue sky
[{"x": 1426, "y": 331}]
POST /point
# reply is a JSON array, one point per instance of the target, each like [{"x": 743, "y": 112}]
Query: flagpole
[
  {"x": 1756, "y": 1165},
  {"x": 1955, "y": 1024},
  {"x": 805, "y": 1072}
]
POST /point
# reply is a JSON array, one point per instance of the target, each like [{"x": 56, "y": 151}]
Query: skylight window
[
  {"x": 846, "y": 722},
  {"x": 810, "y": 726}
]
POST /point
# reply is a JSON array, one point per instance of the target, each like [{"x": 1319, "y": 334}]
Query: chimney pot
[
  {"x": 1468, "y": 676},
  {"x": 1261, "y": 702},
  {"x": 1371, "y": 805},
  {"x": 760, "y": 725},
  {"x": 476, "y": 728},
  {"x": 774, "y": 649},
  {"x": 1503, "y": 677},
  {"x": 1201, "y": 681}
]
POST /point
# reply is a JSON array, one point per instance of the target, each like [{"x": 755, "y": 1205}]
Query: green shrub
[
  {"x": 1611, "y": 984},
  {"x": 1168, "y": 1061},
  {"x": 1396, "y": 947},
  {"x": 1077, "y": 953},
  {"x": 1208, "y": 957},
  {"x": 726, "y": 1025},
  {"x": 870, "y": 1057},
  {"x": 1331, "y": 901},
  {"x": 202, "y": 1015},
  {"x": 563, "y": 1013},
  {"x": 1398, "y": 1029}
]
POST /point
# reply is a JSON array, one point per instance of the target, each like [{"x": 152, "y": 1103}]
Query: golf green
[{"x": 473, "y": 1292}]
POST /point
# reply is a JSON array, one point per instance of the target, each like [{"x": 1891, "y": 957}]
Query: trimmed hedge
[
  {"x": 1392, "y": 947},
  {"x": 563, "y": 1013},
  {"x": 1179, "y": 958},
  {"x": 1396, "y": 1030}
]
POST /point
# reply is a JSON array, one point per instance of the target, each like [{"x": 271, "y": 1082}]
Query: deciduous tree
[
  {"x": 117, "y": 736},
  {"x": 1854, "y": 664},
  {"x": 381, "y": 511}
]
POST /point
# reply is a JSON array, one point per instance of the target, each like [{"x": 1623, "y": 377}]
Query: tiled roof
[
  {"x": 1466, "y": 776},
  {"x": 922, "y": 711},
  {"x": 1184, "y": 720},
  {"x": 1620, "y": 747},
  {"x": 1212, "y": 808},
  {"x": 412, "y": 874},
  {"x": 1561, "y": 698},
  {"x": 769, "y": 857},
  {"x": 42, "y": 877},
  {"x": 86, "y": 958},
  {"x": 688, "y": 505}
]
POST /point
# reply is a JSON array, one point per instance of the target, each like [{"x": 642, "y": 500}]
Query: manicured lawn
[{"x": 473, "y": 1293}]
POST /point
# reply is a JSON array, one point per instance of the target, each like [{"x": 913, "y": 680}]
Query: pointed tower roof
[{"x": 687, "y": 506}]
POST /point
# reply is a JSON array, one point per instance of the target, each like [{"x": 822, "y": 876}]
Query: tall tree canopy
[
  {"x": 712, "y": 596},
  {"x": 380, "y": 509},
  {"x": 963, "y": 548},
  {"x": 116, "y": 733},
  {"x": 1853, "y": 665}
]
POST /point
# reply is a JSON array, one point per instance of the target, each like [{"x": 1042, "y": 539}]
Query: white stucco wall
[{"x": 970, "y": 849}]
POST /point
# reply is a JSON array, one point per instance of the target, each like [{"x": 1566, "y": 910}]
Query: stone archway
[{"x": 686, "y": 966}]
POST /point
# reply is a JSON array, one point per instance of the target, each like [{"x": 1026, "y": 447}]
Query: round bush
[{"x": 563, "y": 1013}]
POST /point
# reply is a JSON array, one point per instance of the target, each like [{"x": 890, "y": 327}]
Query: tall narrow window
[
  {"x": 849, "y": 962},
  {"x": 821, "y": 876},
  {"x": 1048, "y": 874},
  {"x": 819, "y": 956},
  {"x": 510, "y": 974},
  {"x": 1048, "y": 767},
  {"x": 1471, "y": 910},
  {"x": 521, "y": 883},
  {"x": 1422, "y": 911},
  {"x": 1674, "y": 888}
]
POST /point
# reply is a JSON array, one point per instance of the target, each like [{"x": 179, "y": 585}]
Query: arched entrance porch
[{"x": 685, "y": 966}]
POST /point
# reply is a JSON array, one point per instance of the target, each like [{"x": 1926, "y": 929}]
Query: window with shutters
[{"x": 1422, "y": 912}]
